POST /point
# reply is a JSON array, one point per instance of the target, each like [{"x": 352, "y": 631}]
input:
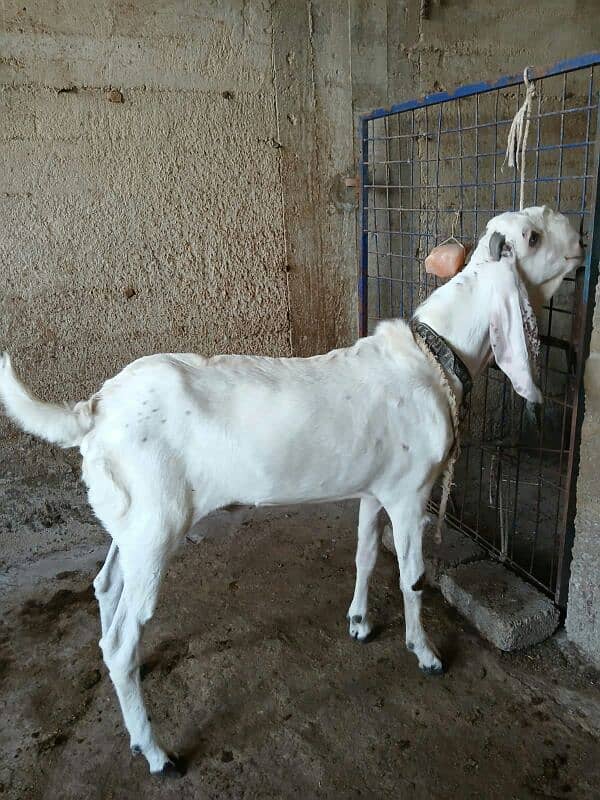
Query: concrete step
[{"x": 505, "y": 610}]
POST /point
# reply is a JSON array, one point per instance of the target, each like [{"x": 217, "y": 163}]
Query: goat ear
[
  {"x": 513, "y": 329},
  {"x": 497, "y": 241}
]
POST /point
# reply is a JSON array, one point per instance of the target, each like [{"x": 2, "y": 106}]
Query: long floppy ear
[{"x": 513, "y": 328}]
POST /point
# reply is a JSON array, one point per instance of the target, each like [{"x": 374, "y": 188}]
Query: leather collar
[{"x": 444, "y": 354}]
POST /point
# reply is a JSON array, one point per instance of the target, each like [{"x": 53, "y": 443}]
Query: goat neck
[{"x": 459, "y": 311}]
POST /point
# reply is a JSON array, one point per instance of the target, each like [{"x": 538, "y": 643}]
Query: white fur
[
  {"x": 174, "y": 437},
  {"x": 63, "y": 425}
]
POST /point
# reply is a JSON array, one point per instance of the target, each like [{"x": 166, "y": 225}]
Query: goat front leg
[
  {"x": 408, "y": 521},
  {"x": 360, "y": 626}
]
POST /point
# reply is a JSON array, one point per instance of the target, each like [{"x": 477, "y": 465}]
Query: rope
[
  {"x": 448, "y": 473},
  {"x": 455, "y": 223},
  {"x": 518, "y": 133},
  {"x": 452, "y": 237}
]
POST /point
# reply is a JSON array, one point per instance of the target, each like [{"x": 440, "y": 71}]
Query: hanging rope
[
  {"x": 455, "y": 223},
  {"x": 448, "y": 472},
  {"x": 518, "y": 133}
]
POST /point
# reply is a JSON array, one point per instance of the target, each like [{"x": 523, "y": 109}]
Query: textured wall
[
  {"x": 583, "y": 613},
  {"x": 407, "y": 48},
  {"x": 151, "y": 224},
  {"x": 312, "y": 74}
]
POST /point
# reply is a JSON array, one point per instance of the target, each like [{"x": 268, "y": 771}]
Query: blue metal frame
[
  {"x": 568, "y": 65},
  {"x": 592, "y": 214}
]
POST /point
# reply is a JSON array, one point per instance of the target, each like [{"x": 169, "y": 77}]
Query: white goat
[{"x": 173, "y": 437}]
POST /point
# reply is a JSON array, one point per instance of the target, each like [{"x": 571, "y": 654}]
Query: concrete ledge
[
  {"x": 454, "y": 549},
  {"x": 505, "y": 610}
]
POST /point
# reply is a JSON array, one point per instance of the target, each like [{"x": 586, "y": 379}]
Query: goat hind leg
[
  {"x": 108, "y": 586},
  {"x": 142, "y": 573}
]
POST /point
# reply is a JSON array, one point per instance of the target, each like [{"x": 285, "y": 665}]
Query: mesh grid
[{"x": 435, "y": 167}]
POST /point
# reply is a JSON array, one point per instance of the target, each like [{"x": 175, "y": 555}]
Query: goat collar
[{"x": 448, "y": 360}]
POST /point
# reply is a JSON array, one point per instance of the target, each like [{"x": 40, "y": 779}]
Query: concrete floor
[{"x": 252, "y": 676}]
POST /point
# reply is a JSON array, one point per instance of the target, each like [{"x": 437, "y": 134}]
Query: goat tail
[{"x": 62, "y": 425}]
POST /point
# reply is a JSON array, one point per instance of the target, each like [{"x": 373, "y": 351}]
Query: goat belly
[{"x": 445, "y": 260}]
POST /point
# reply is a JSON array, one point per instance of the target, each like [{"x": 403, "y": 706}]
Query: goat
[{"x": 174, "y": 437}]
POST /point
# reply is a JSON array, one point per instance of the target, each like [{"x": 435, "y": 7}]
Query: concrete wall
[
  {"x": 583, "y": 613},
  {"x": 147, "y": 225},
  {"x": 312, "y": 76},
  {"x": 193, "y": 214}
]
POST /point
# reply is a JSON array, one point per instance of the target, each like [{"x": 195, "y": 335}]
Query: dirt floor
[{"x": 252, "y": 677}]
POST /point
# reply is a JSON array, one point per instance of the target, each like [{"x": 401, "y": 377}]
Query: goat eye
[{"x": 534, "y": 238}]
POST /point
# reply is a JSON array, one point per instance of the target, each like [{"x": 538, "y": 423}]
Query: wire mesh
[{"x": 434, "y": 167}]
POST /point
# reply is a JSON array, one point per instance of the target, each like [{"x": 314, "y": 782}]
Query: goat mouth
[{"x": 580, "y": 257}]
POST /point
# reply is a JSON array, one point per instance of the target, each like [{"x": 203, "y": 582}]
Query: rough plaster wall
[
  {"x": 174, "y": 194},
  {"x": 312, "y": 71},
  {"x": 457, "y": 42},
  {"x": 583, "y": 614}
]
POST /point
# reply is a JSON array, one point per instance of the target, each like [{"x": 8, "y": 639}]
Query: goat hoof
[
  {"x": 173, "y": 768},
  {"x": 360, "y": 628},
  {"x": 145, "y": 669},
  {"x": 434, "y": 669},
  {"x": 373, "y": 634},
  {"x": 362, "y": 634}
]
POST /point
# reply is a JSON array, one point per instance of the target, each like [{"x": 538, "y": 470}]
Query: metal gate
[{"x": 433, "y": 166}]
